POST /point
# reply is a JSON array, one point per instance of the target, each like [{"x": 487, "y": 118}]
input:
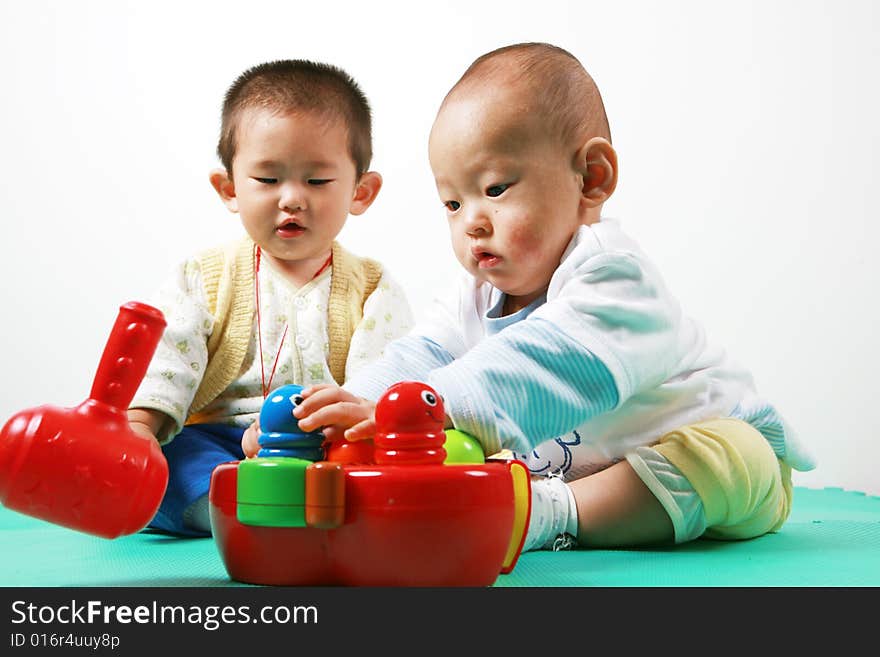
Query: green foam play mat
[{"x": 831, "y": 539}]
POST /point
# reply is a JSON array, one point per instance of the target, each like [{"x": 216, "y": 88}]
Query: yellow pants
[{"x": 745, "y": 489}]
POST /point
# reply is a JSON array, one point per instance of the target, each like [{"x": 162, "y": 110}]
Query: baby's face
[
  {"x": 511, "y": 194},
  {"x": 294, "y": 182}
]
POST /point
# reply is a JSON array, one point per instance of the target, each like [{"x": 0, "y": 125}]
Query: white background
[{"x": 747, "y": 134}]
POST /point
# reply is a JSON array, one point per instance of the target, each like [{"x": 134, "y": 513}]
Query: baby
[
  {"x": 562, "y": 344},
  {"x": 285, "y": 304}
]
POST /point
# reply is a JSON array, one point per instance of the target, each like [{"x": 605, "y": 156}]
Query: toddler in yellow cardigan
[{"x": 286, "y": 303}]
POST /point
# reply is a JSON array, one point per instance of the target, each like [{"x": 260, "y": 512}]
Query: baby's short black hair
[{"x": 298, "y": 85}]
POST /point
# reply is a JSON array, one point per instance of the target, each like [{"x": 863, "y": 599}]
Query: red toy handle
[{"x": 130, "y": 347}]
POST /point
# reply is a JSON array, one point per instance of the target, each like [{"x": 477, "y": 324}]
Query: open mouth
[
  {"x": 486, "y": 260},
  {"x": 290, "y": 229}
]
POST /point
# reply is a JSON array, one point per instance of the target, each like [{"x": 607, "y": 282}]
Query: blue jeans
[{"x": 192, "y": 457}]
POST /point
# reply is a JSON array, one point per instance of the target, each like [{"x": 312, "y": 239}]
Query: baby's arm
[
  {"x": 351, "y": 409},
  {"x": 160, "y": 405},
  {"x": 433, "y": 343},
  {"x": 387, "y": 316},
  {"x": 349, "y": 412},
  {"x": 529, "y": 383},
  {"x": 149, "y": 423}
]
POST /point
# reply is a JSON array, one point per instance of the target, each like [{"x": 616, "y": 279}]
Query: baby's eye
[
  {"x": 497, "y": 190},
  {"x": 452, "y": 206},
  {"x": 319, "y": 181},
  {"x": 266, "y": 181}
]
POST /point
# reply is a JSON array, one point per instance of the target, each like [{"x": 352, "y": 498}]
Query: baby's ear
[
  {"x": 365, "y": 192},
  {"x": 225, "y": 188},
  {"x": 596, "y": 162}
]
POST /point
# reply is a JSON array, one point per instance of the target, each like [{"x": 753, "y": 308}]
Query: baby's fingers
[
  {"x": 362, "y": 430},
  {"x": 250, "y": 441},
  {"x": 311, "y": 390},
  {"x": 320, "y": 396},
  {"x": 333, "y": 434},
  {"x": 344, "y": 414}
]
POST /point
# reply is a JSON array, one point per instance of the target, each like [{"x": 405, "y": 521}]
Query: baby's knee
[{"x": 745, "y": 490}]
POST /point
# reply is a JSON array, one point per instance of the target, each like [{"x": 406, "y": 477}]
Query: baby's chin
[{"x": 288, "y": 255}]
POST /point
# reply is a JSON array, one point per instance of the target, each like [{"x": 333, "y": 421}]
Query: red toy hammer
[{"x": 83, "y": 467}]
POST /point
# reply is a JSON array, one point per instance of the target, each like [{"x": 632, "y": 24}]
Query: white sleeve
[
  {"x": 178, "y": 365},
  {"x": 432, "y": 343},
  {"x": 616, "y": 306},
  {"x": 444, "y": 321},
  {"x": 387, "y": 316},
  {"x": 524, "y": 385}
]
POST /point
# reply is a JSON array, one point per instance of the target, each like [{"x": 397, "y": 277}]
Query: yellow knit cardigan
[{"x": 228, "y": 278}]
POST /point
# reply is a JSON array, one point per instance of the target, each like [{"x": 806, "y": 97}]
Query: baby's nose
[
  {"x": 292, "y": 199},
  {"x": 477, "y": 222}
]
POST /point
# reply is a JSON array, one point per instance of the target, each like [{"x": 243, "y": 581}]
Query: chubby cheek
[
  {"x": 523, "y": 240},
  {"x": 330, "y": 214},
  {"x": 256, "y": 202}
]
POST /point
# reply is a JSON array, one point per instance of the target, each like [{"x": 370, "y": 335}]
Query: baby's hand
[
  {"x": 340, "y": 413},
  {"x": 250, "y": 441}
]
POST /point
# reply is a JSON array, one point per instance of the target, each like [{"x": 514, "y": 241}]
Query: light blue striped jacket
[{"x": 604, "y": 363}]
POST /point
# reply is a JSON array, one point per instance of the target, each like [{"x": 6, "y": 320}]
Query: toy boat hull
[{"x": 425, "y": 525}]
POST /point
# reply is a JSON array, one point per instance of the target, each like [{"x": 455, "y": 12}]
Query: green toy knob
[
  {"x": 272, "y": 491},
  {"x": 462, "y": 448}
]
